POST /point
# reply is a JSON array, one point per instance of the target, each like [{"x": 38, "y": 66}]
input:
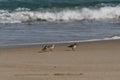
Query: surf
[{"x": 21, "y": 15}]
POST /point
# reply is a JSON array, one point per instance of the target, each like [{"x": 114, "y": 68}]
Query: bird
[
  {"x": 51, "y": 47},
  {"x": 45, "y": 48},
  {"x": 73, "y": 46}
]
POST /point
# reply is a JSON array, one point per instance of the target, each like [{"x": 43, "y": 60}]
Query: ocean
[{"x": 28, "y": 22}]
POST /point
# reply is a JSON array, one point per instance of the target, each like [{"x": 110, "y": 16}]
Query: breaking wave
[
  {"x": 112, "y": 38},
  {"x": 77, "y": 14}
]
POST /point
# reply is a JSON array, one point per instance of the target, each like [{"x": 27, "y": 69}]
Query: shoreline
[{"x": 57, "y": 43}]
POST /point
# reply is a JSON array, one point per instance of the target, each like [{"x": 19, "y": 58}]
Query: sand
[{"x": 99, "y": 60}]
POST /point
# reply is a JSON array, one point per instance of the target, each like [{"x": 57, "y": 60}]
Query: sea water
[{"x": 26, "y": 22}]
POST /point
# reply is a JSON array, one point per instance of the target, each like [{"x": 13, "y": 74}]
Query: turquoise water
[{"x": 36, "y": 4}]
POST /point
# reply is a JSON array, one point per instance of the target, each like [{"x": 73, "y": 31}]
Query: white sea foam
[
  {"x": 114, "y": 37},
  {"x": 25, "y": 15},
  {"x": 22, "y": 9}
]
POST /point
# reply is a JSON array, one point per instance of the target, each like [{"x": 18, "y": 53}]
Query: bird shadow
[{"x": 42, "y": 51}]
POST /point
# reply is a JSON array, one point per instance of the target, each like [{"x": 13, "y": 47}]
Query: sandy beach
[{"x": 98, "y": 60}]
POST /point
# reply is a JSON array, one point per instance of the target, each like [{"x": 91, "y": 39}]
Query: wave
[
  {"x": 112, "y": 38},
  {"x": 77, "y": 14}
]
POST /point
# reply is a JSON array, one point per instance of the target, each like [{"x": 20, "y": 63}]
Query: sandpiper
[
  {"x": 73, "y": 46},
  {"x": 45, "y": 48},
  {"x": 51, "y": 47}
]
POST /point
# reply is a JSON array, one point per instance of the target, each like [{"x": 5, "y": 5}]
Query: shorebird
[
  {"x": 45, "y": 48},
  {"x": 51, "y": 47},
  {"x": 73, "y": 46}
]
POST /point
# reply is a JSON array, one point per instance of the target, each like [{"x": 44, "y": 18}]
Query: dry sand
[{"x": 98, "y": 60}]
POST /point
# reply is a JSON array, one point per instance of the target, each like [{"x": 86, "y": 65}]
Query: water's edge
[{"x": 57, "y": 43}]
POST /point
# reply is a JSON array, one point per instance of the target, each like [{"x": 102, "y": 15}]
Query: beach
[
  {"x": 97, "y": 60},
  {"x": 27, "y": 26}
]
